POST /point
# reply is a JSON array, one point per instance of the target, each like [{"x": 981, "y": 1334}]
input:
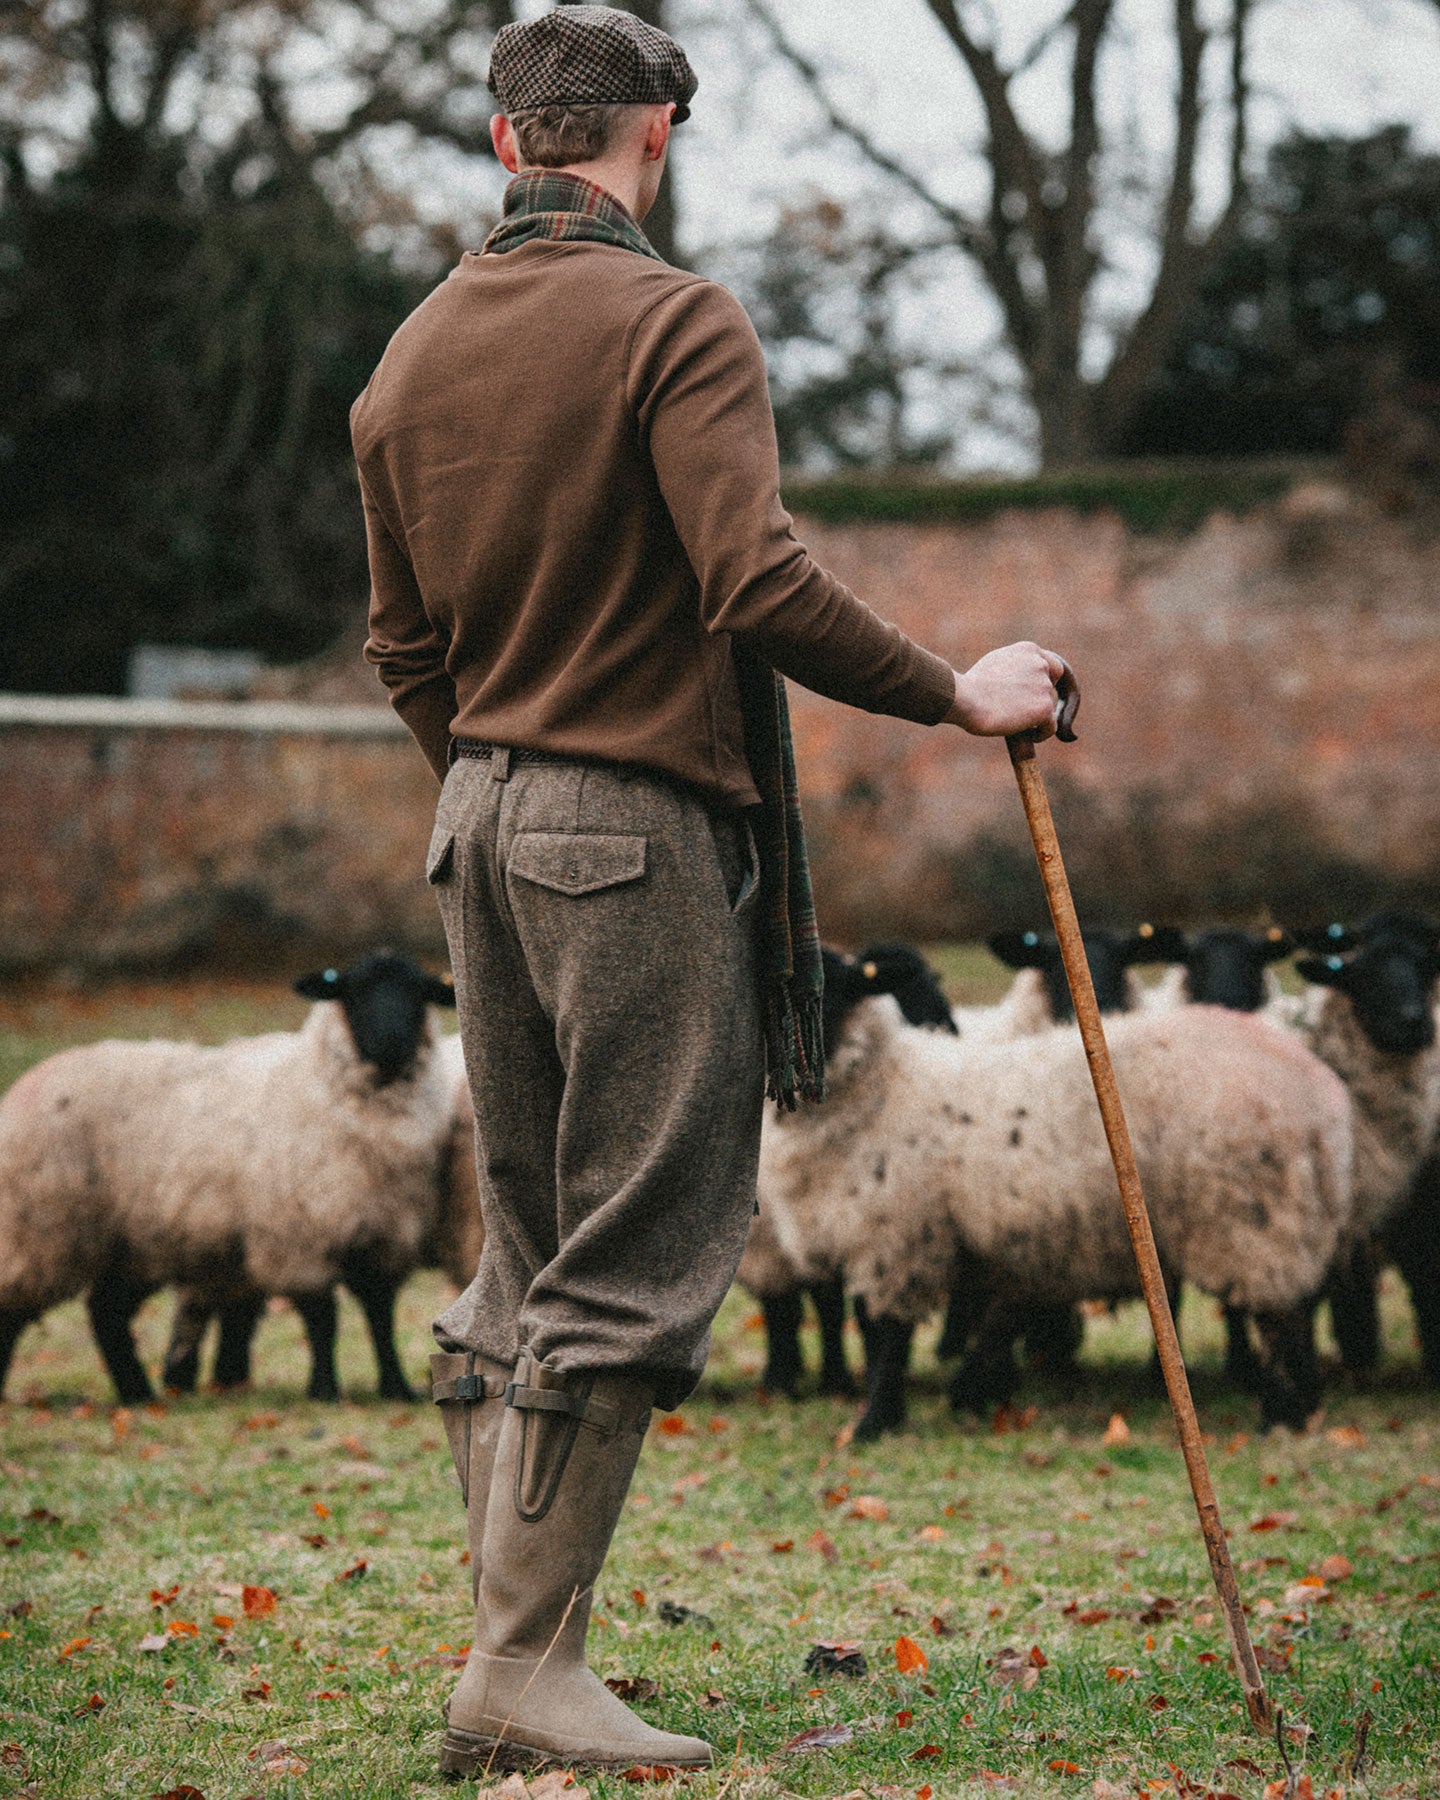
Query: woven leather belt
[{"x": 472, "y": 747}]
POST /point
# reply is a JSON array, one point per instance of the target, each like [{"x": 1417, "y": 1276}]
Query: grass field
[{"x": 1050, "y": 1572}]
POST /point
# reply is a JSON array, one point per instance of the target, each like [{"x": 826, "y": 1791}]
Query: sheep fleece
[
  {"x": 267, "y": 1158},
  {"x": 926, "y": 1145}
]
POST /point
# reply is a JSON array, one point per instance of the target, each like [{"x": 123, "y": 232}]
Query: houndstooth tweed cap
[{"x": 588, "y": 56}]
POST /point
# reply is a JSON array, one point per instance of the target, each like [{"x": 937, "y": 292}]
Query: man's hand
[{"x": 1007, "y": 691}]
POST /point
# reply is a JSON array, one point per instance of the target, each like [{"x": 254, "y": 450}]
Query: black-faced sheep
[
  {"x": 282, "y": 1163},
  {"x": 453, "y": 1246},
  {"x": 929, "y": 1148}
]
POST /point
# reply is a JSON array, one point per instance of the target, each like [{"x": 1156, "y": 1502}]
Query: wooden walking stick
[{"x": 1152, "y": 1282}]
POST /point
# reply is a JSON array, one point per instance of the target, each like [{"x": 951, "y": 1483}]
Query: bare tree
[{"x": 1036, "y": 242}]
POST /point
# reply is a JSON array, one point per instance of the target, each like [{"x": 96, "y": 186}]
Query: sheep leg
[
  {"x": 193, "y": 1313},
  {"x": 1242, "y": 1370},
  {"x": 1414, "y": 1241},
  {"x": 318, "y": 1314},
  {"x": 376, "y": 1293},
  {"x": 239, "y": 1322},
  {"x": 961, "y": 1317},
  {"x": 13, "y": 1320},
  {"x": 783, "y": 1365},
  {"x": 1290, "y": 1370},
  {"x": 1354, "y": 1312},
  {"x": 112, "y": 1303},
  {"x": 887, "y": 1356},
  {"x": 989, "y": 1375},
  {"x": 828, "y": 1299},
  {"x": 1053, "y": 1336}
]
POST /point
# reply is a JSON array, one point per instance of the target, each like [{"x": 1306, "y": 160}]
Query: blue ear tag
[
  {"x": 1335, "y": 931},
  {"x": 1030, "y": 939},
  {"x": 330, "y": 977},
  {"x": 1334, "y": 962}
]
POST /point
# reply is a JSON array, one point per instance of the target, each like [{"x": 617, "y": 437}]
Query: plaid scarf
[{"x": 549, "y": 205}]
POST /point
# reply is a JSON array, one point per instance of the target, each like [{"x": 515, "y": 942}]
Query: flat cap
[{"x": 588, "y": 56}]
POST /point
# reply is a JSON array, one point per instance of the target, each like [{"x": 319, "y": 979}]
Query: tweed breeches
[{"x": 601, "y": 925}]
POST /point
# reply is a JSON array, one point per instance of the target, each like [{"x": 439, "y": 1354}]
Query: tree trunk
[{"x": 1065, "y": 416}]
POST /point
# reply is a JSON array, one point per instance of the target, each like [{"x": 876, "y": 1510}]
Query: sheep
[
  {"x": 454, "y": 1247},
  {"x": 285, "y": 1163},
  {"x": 1224, "y": 965},
  {"x": 1370, "y": 1015},
  {"x": 1039, "y": 997},
  {"x": 765, "y": 1271},
  {"x": 930, "y": 1150}
]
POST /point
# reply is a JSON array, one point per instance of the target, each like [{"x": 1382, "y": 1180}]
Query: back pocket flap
[
  {"x": 441, "y": 854},
  {"x": 577, "y": 862}
]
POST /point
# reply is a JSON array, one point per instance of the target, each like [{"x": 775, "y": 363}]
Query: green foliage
[
  {"x": 1330, "y": 289},
  {"x": 1161, "y": 497},
  {"x": 177, "y": 360}
]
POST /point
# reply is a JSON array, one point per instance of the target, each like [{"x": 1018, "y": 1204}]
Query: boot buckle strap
[
  {"x": 468, "y": 1388},
  {"x": 588, "y": 1412}
]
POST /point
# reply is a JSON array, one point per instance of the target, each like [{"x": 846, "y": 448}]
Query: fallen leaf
[
  {"x": 184, "y": 1792},
  {"x": 869, "y": 1506},
  {"x": 1272, "y": 1521},
  {"x": 178, "y": 1628},
  {"x": 1061, "y": 1767},
  {"x": 1037, "y": 1658},
  {"x": 1116, "y": 1432},
  {"x": 159, "y": 1598},
  {"x": 152, "y": 1641},
  {"x": 1096, "y": 1616},
  {"x": 1207, "y": 1657},
  {"x": 256, "y": 1602},
  {"x": 1116, "y": 1673},
  {"x": 13, "y": 1757},
  {"x": 1010, "y": 1668},
  {"x": 320, "y": 1509},
  {"x": 75, "y": 1645},
  {"x": 719, "y": 1423},
  {"x": 932, "y": 1534},
  {"x": 1346, "y": 1437},
  {"x": 264, "y": 1421},
  {"x": 909, "y": 1657},
  {"x": 1108, "y": 1790},
  {"x": 821, "y": 1737},
  {"x": 1335, "y": 1568},
  {"x": 783, "y": 1547},
  {"x": 555, "y": 1782},
  {"x": 262, "y": 1692},
  {"x": 317, "y": 1540},
  {"x": 277, "y": 1758},
  {"x": 823, "y": 1545},
  {"x": 95, "y": 1704},
  {"x": 1157, "y": 1703},
  {"x": 904, "y": 1719},
  {"x": 939, "y": 1627},
  {"x": 649, "y": 1772},
  {"x": 221, "y": 1621},
  {"x": 354, "y": 1572},
  {"x": 633, "y": 1687},
  {"x": 672, "y": 1425},
  {"x": 836, "y": 1657}
]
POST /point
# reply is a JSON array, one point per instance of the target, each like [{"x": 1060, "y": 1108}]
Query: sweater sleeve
[
  {"x": 697, "y": 384},
  {"x": 404, "y": 644}
]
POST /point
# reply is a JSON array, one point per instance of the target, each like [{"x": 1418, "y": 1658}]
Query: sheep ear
[
  {"x": 1325, "y": 940},
  {"x": 324, "y": 985},
  {"x": 1017, "y": 949},
  {"x": 438, "y": 991},
  {"x": 1324, "y": 971},
  {"x": 1156, "y": 944}
]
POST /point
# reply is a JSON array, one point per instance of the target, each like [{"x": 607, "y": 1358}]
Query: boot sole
[{"x": 464, "y": 1753}]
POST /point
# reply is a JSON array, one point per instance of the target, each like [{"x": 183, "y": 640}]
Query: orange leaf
[
  {"x": 825, "y": 1546},
  {"x": 932, "y": 1534},
  {"x": 869, "y": 1506},
  {"x": 1117, "y": 1431},
  {"x": 182, "y": 1628},
  {"x": 784, "y": 1546},
  {"x": 74, "y": 1645},
  {"x": 1272, "y": 1521},
  {"x": 1207, "y": 1657},
  {"x": 1335, "y": 1568},
  {"x": 719, "y": 1423},
  {"x": 121, "y": 1420},
  {"x": 904, "y": 1718},
  {"x": 95, "y": 1704},
  {"x": 354, "y": 1572},
  {"x": 256, "y": 1602},
  {"x": 320, "y": 1509},
  {"x": 1094, "y": 1617},
  {"x": 157, "y": 1598},
  {"x": 924, "y": 1753},
  {"x": 1347, "y": 1437},
  {"x": 924, "y": 1793},
  {"x": 672, "y": 1425},
  {"x": 909, "y": 1656},
  {"x": 266, "y": 1421},
  {"x": 221, "y": 1621},
  {"x": 638, "y": 1596},
  {"x": 1115, "y": 1673},
  {"x": 1037, "y": 1658},
  {"x": 1061, "y": 1767}
]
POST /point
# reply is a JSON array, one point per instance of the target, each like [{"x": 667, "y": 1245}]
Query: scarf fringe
[{"x": 794, "y": 1049}]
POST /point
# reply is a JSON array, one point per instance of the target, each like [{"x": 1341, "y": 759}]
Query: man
[{"x": 583, "y": 582}]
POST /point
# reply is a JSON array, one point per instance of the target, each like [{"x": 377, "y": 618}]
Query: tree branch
[{"x": 968, "y": 235}]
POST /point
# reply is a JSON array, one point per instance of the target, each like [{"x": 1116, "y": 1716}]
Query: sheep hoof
[
  {"x": 837, "y": 1387},
  {"x": 873, "y": 1426}
]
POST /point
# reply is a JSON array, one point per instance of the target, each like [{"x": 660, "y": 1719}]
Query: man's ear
[
  {"x": 502, "y": 136},
  {"x": 658, "y": 135}
]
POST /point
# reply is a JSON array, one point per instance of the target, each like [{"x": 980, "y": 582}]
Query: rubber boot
[
  {"x": 470, "y": 1392},
  {"x": 567, "y": 1449}
]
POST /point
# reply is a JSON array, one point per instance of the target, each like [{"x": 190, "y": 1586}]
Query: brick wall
[{"x": 1261, "y": 732}]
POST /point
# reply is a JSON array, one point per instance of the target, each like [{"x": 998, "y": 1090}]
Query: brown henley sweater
[{"x": 568, "y": 464}]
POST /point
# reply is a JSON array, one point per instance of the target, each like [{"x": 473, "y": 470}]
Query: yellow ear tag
[
  {"x": 1147, "y": 931},
  {"x": 870, "y": 971},
  {"x": 1274, "y": 934}
]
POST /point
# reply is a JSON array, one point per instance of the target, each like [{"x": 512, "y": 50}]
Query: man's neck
[{"x": 619, "y": 181}]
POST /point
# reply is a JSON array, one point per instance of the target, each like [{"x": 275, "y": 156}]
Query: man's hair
[{"x": 549, "y": 137}]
